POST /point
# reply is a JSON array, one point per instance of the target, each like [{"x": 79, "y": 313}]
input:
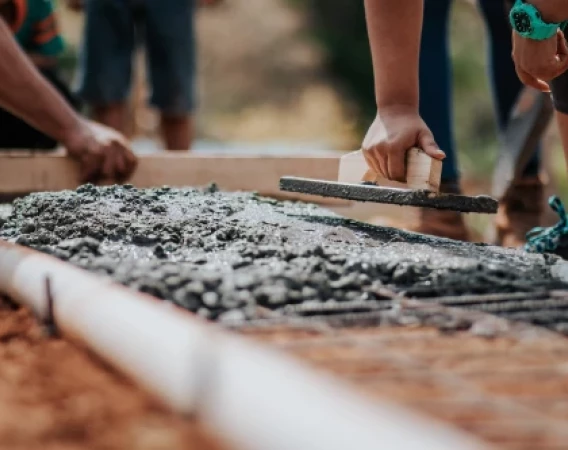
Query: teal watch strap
[{"x": 527, "y": 22}]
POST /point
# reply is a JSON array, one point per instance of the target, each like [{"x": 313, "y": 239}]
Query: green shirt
[{"x": 35, "y": 27}]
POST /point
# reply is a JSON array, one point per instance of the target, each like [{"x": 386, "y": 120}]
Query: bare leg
[
  {"x": 114, "y": 116},
  {"x": 177, "y": 132}
]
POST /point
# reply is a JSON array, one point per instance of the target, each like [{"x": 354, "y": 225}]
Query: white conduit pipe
[{"x": 256, "y": 399}]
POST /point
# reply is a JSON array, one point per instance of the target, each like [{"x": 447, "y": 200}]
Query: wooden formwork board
[{"x": 25, "y": 172}]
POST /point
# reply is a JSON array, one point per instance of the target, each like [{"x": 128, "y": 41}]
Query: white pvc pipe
[
  {"x": 286, "y": 407},
  {"x": 255, "y": 398},
  {"x": 156, "y": 344}
]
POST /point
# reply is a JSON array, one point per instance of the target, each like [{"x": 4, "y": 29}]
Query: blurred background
[{"x": 296, "y": 76}]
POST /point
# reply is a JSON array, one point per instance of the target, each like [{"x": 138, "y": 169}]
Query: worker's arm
[
  {"x": 552, "y": 11},
  {"x": 538, "y": 62},
  {"x": 394, "y": 29},
  {"x": 101, "y": 152}
]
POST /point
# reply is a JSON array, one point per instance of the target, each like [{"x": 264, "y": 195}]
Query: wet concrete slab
[{"x": 234, "y": 256}]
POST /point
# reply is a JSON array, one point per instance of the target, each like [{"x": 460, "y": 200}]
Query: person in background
[
  {"x": 101, "y": 152},
  {"x": 34, "y": 25},
  {"x": 113, "y": 30},
  {"x": 540, "y": 54},
  {"x": 523, "y": 206}
]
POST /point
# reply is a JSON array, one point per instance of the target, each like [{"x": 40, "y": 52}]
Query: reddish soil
[
  {"x": 510, "y": 391},
  {"x": 56, "y": 396}
]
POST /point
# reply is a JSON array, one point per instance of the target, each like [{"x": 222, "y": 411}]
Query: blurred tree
[{"x": 339, "y": 25}]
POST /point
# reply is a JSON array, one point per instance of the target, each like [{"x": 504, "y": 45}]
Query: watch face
[{"x": 522, "y": 22}]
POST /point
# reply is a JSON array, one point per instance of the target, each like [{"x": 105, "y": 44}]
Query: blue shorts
[{"x": 113, "y": 30}]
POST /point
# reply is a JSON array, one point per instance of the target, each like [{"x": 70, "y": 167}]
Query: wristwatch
[{"x": 527, "y": 21}]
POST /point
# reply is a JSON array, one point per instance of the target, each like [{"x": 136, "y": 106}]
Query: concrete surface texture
[
  {"x": 369, "y": 192},
  {"x": 234, "y": 256}
]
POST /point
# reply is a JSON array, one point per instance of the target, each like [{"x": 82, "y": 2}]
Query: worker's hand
[
  {"x": 538, "y": 62},
  {"x": 395, "y": 131},
  {"x": 75, "y": 5},
  {"x": 101, "y": 152}
]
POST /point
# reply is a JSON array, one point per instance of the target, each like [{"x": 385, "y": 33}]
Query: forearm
[
  {"x": 25, "y": 93},
  {"x": 552, "y": 11},
  {"x": 394, "y": 28}
]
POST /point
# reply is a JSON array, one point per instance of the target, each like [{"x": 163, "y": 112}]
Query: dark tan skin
[
  {"x": 394, "y": 34},
  {"x": 101, "y": 152},
  {"x": 538, "y": 62},
  {"x": 552, "y": 11}
]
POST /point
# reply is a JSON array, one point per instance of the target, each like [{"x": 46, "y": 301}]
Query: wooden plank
[
  {"x": 24, "y": 172},
  {"x": 422, "y": 171}
]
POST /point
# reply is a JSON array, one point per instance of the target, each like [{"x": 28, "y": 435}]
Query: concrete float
[{"x": 254, "y": 397}]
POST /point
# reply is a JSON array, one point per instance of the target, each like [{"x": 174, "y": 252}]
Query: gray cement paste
[{"x": 232, "y": 256}]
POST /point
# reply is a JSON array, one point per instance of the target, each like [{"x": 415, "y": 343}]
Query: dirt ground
[
  {"x": 509, "y": 390},
  {"x": 56, "y": 396}
]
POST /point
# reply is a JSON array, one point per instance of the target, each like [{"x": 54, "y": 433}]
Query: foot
[
  {"x": 435, "y": 222},
  {"x": 177, "y": 132},
  {"x": 447, "y": 224},
  {"x": 520, "y": 210},
  {"x": 551, "y": 239}
]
